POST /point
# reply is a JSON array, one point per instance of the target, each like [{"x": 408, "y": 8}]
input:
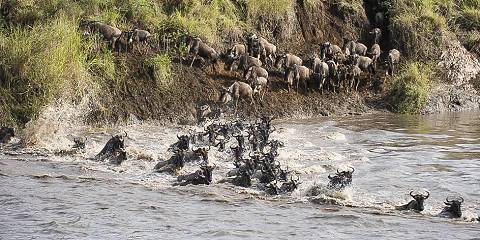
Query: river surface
[{"x": 44, "y": 195}]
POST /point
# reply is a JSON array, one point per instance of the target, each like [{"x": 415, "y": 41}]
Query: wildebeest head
[
  {"x": 226, "y": 96},
  {"x": 341, "y": 179},
  {"x": 6, "y": 134},
  {"x": 419, "y": 200},
  {"x": 114, "y": 144},
  {"x": 207, "y": 172},
  {"x": 281, "y": 59},
  {"x": 203, "y": 153},
  {"x": 183, "y": 142},
  {"x": 79, "y": 143},
  {"x": 454, "y": 206}
]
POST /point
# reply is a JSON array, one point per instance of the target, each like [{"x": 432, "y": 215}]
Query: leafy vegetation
[
  {"x": 410, "y": 88},
  {"x": 161, "y": 68}
]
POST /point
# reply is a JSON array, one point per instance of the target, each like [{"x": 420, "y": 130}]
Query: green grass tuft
[
  {"x": 410, "y": 87},
  {"x": 161, "y": 67}
]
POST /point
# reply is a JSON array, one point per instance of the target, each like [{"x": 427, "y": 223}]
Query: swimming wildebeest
[
  {"x": 79, "y": 143},
  {"x": 341, "y": 179},
  {"x": 453, "y": 208},
  {"x": 114, "y": 150},
  {"x": 237, "y": 91},
  {"x": 172, "y": 165},
  {"x": 417, "y": 202},
  {"x": 200, "y": 177},
  {"x": 183, "y": 143},
  {"x": 6, "y": 134}
]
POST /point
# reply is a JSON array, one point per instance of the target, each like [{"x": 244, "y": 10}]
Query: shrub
[
  {"x": 410, "y": 87},
  {"x": 41, "y": 63},
  {"x": 161, "y": 67},
  {"x": 414, "y": 23},
  {"x": 347, "y": 7}
]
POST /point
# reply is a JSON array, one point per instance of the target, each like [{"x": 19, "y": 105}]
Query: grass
[
  {"x": 161, "y": 66},
  {"x": 39, "y": 64},
  {"x": 410, "y": 87},
  {"x": 348, "y": 7},
  {"x": 415, "y": 23}
]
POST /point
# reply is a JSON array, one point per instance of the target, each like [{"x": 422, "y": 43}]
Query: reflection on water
[{"x": 51, "y": 197}]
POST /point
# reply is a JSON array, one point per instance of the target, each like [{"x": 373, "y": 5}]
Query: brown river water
[{"x": 48, "y": 196}]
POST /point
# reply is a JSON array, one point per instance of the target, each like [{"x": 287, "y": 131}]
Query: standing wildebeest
[
  {"x": 375, "y": 52},
  {"x": 140, "y": 36},
  {"x": 328, "y": 50},
  {"x": 453, "y": 208},
  {"x": 299, "y": 74},
  {"x": 199, "y": 48},
  {"x": 243, "y": 63},
  {"x": 109, "y": 33},
  {"x": 238, "y": 49},
  {"x": 353, "y": 48},
  {"x": 288, "y": 61},
  {"x": 237, "y": 91},
  {"x": 255, "y": 71},
  {"x": 253, "y": 44},
  {"x": 417, "y": 202},
  {"x": 320, "y": 72},
  {"x": 364, "y": 63},
  {"x": 268, "y": 51},
  {"x": 393, "y": 59},
  {"x": 353, "y": 76},
  {"x": 6, "y": 134},
  {"x": 260, "y": 86},
  {"x": 377, "y": 34}
]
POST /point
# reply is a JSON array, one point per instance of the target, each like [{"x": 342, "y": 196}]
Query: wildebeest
[
  {"x": 123, "y": 42},
  {"x": 355, "y": 48},
  {"x": 377, "y": 34},
  {"x": 260, "y": 86},
  {"x": 341, "y": 179},
  {"x": 328, "y": 50},
  {"x": 237, "y": 50},
  {"x": 237, "y": 91},
  {"x": 364, "y": 63},
  {"x": 172, "y": 165},
  {"x": 287, "y": 61},
  {"x": 353, "y": 76},
  {"x": 79, "y": 143},
  {"x": 202, "y": 176},
  {"x": 183, "y": 143},
  {"x": 199, "y": 48},
  {"x": 243, "y": 63},
  {"x": 6, "y": 134},
  {"x": 114, "y": 150},
  {"x": 253, "y": 44},
  {"x": 256, "y": 71},
  {"x": 393, "y": 60},
  {"x": 320, "y": 72},
  {"x": 453, "y": 208},
  {"x": 268, "y": 51},
  {"x": 375, "y": 52},
  {"x": 139, "y": 35},
  {"x": 109, "y": 33},
  {"x": 417, "y": 202}
]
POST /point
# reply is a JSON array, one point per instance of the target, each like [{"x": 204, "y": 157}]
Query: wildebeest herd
[
  {"x": 333, "y": 68},
  {"x": 253, "y": 156}
]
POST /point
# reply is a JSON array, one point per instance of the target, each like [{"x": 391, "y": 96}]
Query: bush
[
  {"x": 470, "y": 18},
  {"x": 417, "y": 29},
  {"x": 161, "y": 67},
  {"x": 410, "y": 87},
  {"x": 39, "y": 64},
  {"x": 347, "y": 7}
]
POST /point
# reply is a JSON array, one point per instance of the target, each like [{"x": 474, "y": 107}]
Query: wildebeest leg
[
  {"x": 193, "y": 60},
  {"x": 358, "y": 82}
]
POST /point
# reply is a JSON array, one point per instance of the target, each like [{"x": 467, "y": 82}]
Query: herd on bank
[
  {"x": 334, "y": 68},
  {"x": 252, "y": 153}
]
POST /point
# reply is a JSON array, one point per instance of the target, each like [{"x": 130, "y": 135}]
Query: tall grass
[
  {"x": 410, "y": 87},
  {"x": 40, "y": 64},
  {"x": 161, "y": 67}
]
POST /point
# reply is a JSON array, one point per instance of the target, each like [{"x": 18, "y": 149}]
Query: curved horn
[
  {"x": 353, "y": 169},
  {"x": 250, "y": 155},
  {"x": 178, "y": 137},
  {"x": 126, "y": 135},
  {"x": 338, "y": 172},
  {"x": 448, "y": 203},
  {"x": 461, "y": 200},
  {"x": 411, "y": 194},
  {"x": 329, "y": 177},
  {"x": 428, "y": 194},
  {"x": 448, "y": 200}
]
